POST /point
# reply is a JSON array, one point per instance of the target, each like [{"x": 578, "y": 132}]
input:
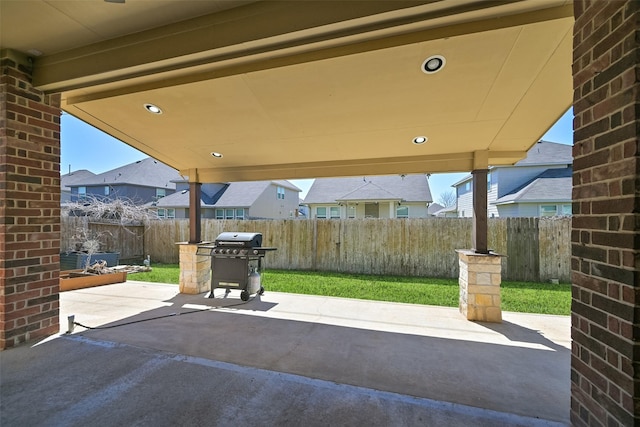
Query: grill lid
[{"x": 238, "y": 239}]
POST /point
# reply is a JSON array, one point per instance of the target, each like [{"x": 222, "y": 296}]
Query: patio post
[
  {"x": 195, "y": 216},
  {"x": 480, "y": 270},
  {"x": 480, "y": 228},
  {"x": 195, "y": 270}
]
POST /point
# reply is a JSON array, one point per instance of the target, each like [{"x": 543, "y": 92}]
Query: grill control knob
[
  {"x": 228, "y": 251},
  {"x": 235, "y": 251},
  {"x": 244, "y": 252},
  {"x": 255, "y": 252}
]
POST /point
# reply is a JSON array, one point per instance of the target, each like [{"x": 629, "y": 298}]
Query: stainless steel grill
[{"x": 236, "y": 262}]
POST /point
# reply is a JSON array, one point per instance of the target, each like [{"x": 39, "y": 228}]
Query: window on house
[
  {"x": 161, "y": 213},
  {"x": 106, "y": 190},
  {"x": 402, "y": 212},
  {"x": 489, "y": 180},
  {"x": 160, "y": 193},
  {"x": 548, "y": 210},
  {"x": 565, "y": 209},
  {"x": 281, "y": 193},
  {"x": 334, "y": 212},
  {"x": 321, "y": 212},
  {"x": 351, "y": 212},
  {"x": 171, "y": 213},
  {"x": 467, "y": 186},
  {"x": 229, "y": 213},
  {"x": 82, "y": 192}
]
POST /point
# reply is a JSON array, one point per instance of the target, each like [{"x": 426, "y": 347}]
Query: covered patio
[
  {"x": 284, "y": 359},
  {"x": 247, "y": 90}
]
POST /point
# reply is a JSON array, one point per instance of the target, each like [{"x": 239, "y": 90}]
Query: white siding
[
  {"x": 521, "y": 209},
  {"x": 492, "y": 196},
  {"x": 465, "y": 205},
  {"x": 417, "y": 210}
]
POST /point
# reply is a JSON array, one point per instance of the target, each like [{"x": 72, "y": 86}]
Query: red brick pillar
[
  {"x": 605, "y": 368},
  {"x": 29, "y": 205}
]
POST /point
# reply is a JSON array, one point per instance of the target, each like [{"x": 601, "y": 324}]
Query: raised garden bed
[
  {"x": 77, "y": 279},
  {"x": 74, "y": 260}
]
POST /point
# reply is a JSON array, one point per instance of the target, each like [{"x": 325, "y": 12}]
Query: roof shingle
[{"x": 408, "y": 188}]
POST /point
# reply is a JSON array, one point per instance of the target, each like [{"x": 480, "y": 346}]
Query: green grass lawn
[{"x": 524, "y": 297}]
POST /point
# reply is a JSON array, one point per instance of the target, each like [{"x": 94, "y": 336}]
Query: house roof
[
  {"x": 147, "y": 173},
  {"x": 407, "y": 188},
  {"x": 445, "y": 210},
  {"x": 368, "y": 191},
  {"x": 74, "y": 177},
  {"x": 541, "y": 154},
  {"x": 553, "y": 185},
  {"x": 548, "y": 153},
  {"x": 234, "y": 194},
  {"x": 434, "y": 208}
]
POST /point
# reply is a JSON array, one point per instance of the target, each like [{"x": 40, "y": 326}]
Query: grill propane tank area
[{"x": 236, "y": 262}]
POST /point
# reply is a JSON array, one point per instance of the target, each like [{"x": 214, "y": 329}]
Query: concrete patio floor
[{"x": 284, "y": 359}]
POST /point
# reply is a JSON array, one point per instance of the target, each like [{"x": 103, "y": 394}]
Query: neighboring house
[
  {"x": 388, "y": 196},
  {"x": 434, "y": 208},
  {"x": 449, "y": 212},
  {"x": 233, "y": 200},
  {"x": 69, "y": 179},
  {"x": 140, "y": 182},
  {"x": 303, "y": 210},
  {"x": 538, "y": 185}
]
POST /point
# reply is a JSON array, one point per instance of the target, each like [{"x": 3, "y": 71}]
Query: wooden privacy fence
[
  {"x": 535, "y": 249},
  {"x": 128, "y": 240}
]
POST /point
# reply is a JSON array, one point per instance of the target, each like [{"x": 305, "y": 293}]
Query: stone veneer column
[
  {"x": 29, "y": 205},
  {"x": 479, "y": 279},
  {"x": 195, "y": 270},
  {"x": 605, "y": 235}
]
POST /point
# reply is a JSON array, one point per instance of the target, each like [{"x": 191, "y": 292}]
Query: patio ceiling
[{"x": 305, "y": 89}]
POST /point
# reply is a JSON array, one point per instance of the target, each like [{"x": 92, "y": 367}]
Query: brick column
[
  {"x": 605, "y": 262},
  {"x": 479, "y": 279},
  {"x": 29, "y": 205},
  {"x": 195, "y": 270}
]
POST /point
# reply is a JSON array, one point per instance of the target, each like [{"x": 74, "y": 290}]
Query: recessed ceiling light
[
  {"x": 433, "y": 64},
  {"x": 153, "y": 108},
  {"x": 217, "y": 155},
  {"x": 420, "y": 140}
]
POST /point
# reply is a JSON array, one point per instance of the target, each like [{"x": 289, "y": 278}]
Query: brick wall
[
  {"x": 605, "y": 239},
  {"x": 29, "y": 205}
]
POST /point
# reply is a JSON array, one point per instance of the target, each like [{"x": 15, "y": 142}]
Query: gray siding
[
  {"x": 267, "y": 205},
  {"x": 137, "y": 194}
]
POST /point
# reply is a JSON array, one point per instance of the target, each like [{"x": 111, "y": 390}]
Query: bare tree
[{"x": 447, "y": 199}]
